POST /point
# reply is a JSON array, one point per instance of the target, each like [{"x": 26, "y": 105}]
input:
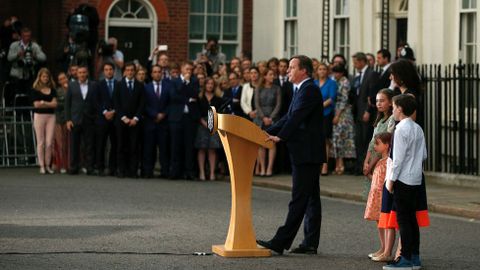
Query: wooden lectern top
[{"x": 237, "y": 126}]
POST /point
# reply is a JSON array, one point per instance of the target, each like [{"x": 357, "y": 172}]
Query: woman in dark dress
[
  {"x": 204, "y": 142},
  {"x": 268, "y": 101}
]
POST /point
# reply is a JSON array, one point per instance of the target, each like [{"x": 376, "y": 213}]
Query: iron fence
[{"x": 451, "y": 97}]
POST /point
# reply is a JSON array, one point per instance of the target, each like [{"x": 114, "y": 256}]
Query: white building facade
[{"x": 439, "y": 31}]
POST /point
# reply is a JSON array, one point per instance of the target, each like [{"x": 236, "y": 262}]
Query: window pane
[
  {"x": 197, "y": 6},
  {"x": 193, "y": 49},
  {"x": 230, "y": 50},
  {"x": 230, "y": 7},
  {"x": 345, "y": 7},
  {"x": 142, "y": 13},
  {"x": 338, "y": 7},
  {"x": 196, "y": 26},
  {"x": 214, "y": 6},
  {"x": 289, "y": 8},
  {"x": 470, "y": 54},
  {"x": 471, "y": 29},
  {"x": 293, "y": 34},
  {"x": 294, "y": 8},
  {"x": 230, "y": 27},
  {"x": 474, "y": 3},
  {"x": 213, "y": 26},
  {"x": 466, "y": 4}
]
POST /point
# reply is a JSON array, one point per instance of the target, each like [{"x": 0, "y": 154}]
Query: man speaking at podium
[{"x": 301, "y": 129}]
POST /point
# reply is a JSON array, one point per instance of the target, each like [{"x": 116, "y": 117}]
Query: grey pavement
[
  {"x": 451, "y": 199},
  {"x": 70, "y": 214}
]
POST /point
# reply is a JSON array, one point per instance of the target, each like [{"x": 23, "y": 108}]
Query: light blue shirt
[{"x": 409, "y": 152}]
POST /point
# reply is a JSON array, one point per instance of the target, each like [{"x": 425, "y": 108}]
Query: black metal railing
[{"x": 451, "y": 97}]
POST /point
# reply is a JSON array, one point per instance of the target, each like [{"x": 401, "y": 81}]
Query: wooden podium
[{"x": 241, "y": 140}]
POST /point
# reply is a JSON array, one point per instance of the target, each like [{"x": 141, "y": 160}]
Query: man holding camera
[{"x": 25, "y": 55}]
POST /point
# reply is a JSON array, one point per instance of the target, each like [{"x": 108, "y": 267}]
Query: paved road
[{"x": 40, "y": 214}]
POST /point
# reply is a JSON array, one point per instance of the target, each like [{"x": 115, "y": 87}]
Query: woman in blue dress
[{"x": 329, "y": 94}]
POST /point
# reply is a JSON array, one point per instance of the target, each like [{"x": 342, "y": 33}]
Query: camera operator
[
  {"x": 25, "y": 56},
  {"x": 211, "y": 57},
  {"x": 107, "y": 52}
]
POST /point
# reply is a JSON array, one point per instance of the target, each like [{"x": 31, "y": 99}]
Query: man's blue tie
[
  {"x": 130, "y": 86},
  {"x": 357, "y": 82},
  {"x": 110, "y": 86}
]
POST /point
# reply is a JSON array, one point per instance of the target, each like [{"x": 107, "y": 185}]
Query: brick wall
[{"x": 47, "y": 19}]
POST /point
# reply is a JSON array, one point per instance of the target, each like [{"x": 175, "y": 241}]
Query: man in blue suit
[
  {"x": 300, "y": 128},
  {"x": 155, "y": 124},
  {"x": 105, "y": 124},
  {"x": 183, "y": 119}
]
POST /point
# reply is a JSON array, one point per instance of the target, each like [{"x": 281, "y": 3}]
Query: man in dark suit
[
  {"x": 105, "y": 121},
  {"x": 282, "y": 162},
  {"x": 183, "y": 117},
  {"x": 80, "y": 113},
  {"x": 363, "y": 83},
  {"x": 232, "y": 96},
  {"x": 155, "y": 125},
  {"x": 383, "y": 61},
  {"x": 128, "y": 102},
  {"x": 303, "y": 134}
]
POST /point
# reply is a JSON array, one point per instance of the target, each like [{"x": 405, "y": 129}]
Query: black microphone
[{"x": 225, "y": 105}]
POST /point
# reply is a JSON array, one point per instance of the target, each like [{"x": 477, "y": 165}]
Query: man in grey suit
[
  {"x": 80, "y": 113},
  {"x": 363, "y": 83}
]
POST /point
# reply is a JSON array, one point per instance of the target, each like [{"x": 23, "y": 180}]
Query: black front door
[
  {"x": 134, "y": 42},
  {"x": 402, "y": 27}
]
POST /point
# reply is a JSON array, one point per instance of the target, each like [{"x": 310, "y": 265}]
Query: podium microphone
[{"x": 225, "y": 105}]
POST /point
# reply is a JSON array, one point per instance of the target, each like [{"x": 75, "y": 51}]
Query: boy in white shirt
[{"x": 409, "y": 152}]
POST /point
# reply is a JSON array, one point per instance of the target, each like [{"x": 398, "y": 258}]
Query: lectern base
[{"x": 238, "y": 253}]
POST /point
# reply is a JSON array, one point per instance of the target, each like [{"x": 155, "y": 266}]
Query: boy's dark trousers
[{"x": 405, "y": 199}]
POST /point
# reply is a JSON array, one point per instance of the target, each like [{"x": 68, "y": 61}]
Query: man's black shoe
[
  {"x": 91, "y": 172},
  {"x": 101, "y": 173},
  {"x": 72, "y": 172},
  {"x": 269, "y": 245},
  {"x": 304, "y": 250}
]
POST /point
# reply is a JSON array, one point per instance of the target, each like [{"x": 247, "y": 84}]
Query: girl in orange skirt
[{"x": 374, "y": 202}]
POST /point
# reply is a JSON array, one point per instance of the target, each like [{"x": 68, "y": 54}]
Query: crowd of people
[
  {"x": 105, "y": 116},
  {"x": 124, "y": 113}
]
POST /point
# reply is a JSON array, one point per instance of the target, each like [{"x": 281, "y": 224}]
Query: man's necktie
[
  {"x": 130, "y": 86},
  {"x": 110, "y": 87},
  {"x": 357, "y": 82},
  {"x": 157, "y": 89}
]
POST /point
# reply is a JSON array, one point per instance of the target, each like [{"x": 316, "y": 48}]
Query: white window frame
[
  {"x": 338, "y": 19},
  {"x": 135, "y": 22},
  {"x": 291, "y": 29},
  {"x": 220, "y": 40},
  {"x": 464, "y": 29}
]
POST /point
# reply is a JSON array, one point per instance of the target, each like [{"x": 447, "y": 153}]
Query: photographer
[
  {"x": 107, "y": 52},
  {"x": 25, "y": 56},
  {"x": 211, "y": 57}
]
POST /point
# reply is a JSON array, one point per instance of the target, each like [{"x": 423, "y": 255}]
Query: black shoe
[
  {"x": 304, "y": 250},
  {"x": 147, "y": 175},
  {"x": 163, "y": 175},
  {"x": 121, "y": 175},
  {"x": 101, "y": 173},
  {"x": 91, "y": 172},
  {"x": 269, "y": 245},
  {"x": 72, "y": 172}
]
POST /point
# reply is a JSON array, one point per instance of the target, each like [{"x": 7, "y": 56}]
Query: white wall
[
  {"x": 267, "y": 36},
  {"x": 433, "y": 28}
]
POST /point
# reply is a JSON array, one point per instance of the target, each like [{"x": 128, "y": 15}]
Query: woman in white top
[{"x": 248, "y": 90}]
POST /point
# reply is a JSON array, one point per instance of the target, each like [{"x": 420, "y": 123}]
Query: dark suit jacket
[
  {"x": 77, "y": 109},
  {"x": 180, "y": 95},
  {"x": 104, "y": 100},
  {"x": 233, "y": 101},
  {"x": 301, "y": 127},
  {"x": 369, "y": 82},
  {"x": 155, "y": 105},
  {"x": 126, "y": 103},
  {"x": 383, "y": 82},
  {"x": 287, "y": 94}
]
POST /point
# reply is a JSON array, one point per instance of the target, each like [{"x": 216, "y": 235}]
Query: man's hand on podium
[{"x": 274, "y": 139}]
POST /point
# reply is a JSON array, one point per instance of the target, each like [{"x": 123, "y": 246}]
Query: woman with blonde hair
[
  {"x": 204, "y": 142},
  {"x": 44, "y": 99}
]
